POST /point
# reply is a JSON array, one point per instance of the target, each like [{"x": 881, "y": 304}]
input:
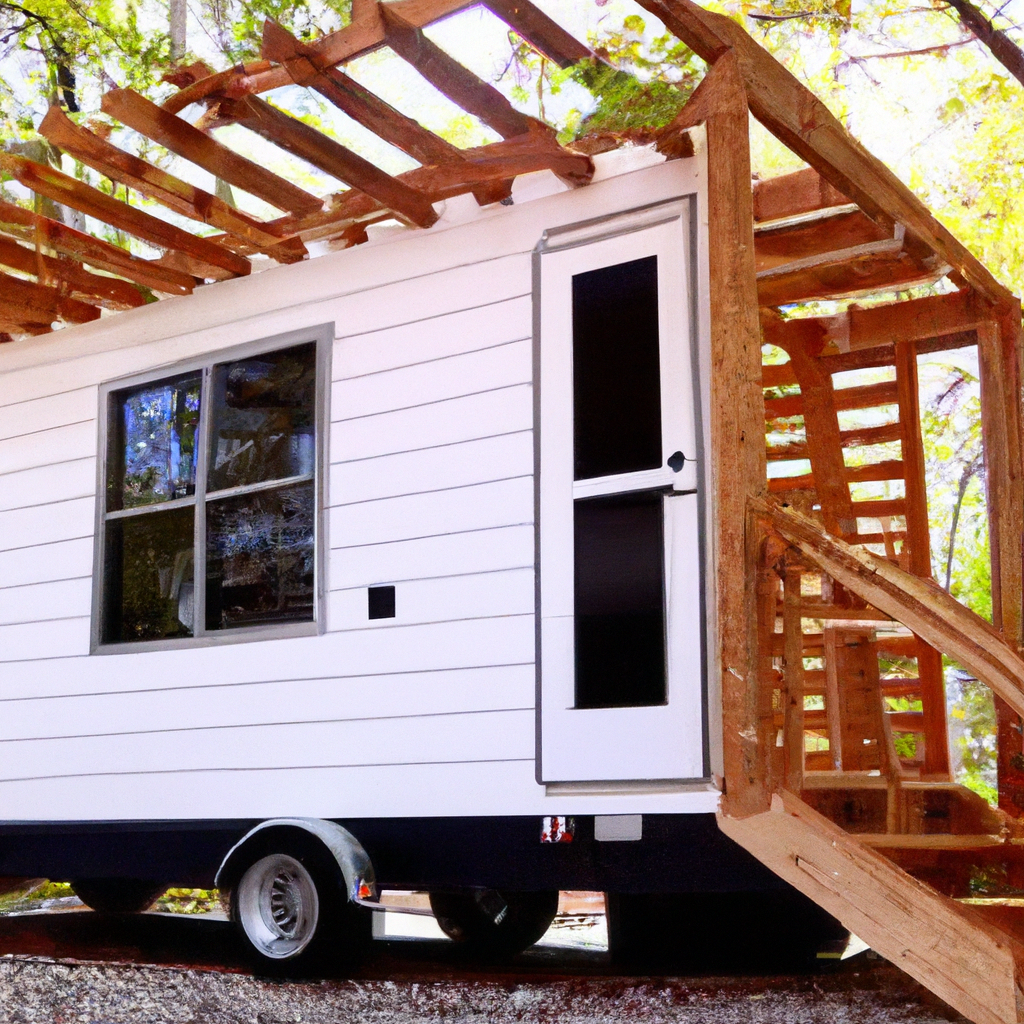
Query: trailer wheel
[
  {"x": 494, "y": 923},
  {"x": 118, "y": 895},
  {"x": 291, "y": 911}
]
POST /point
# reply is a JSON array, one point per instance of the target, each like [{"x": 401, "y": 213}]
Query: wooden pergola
[{"x": 816, "y": 592}]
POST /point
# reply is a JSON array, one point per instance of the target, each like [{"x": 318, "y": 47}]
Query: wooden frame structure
[{"x": 817, "y": 595}]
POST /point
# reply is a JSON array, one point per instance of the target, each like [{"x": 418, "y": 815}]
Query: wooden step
[{"x": 951, "y": 948}]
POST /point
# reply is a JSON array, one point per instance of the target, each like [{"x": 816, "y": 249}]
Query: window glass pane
[
  {"x": 148, "y": 576},
  {"x": 259, "y": 558},
  {"x": 616, "y": 369},
  {"x": 620, "y": 606},
  {"x": 153, "y": 443},
  {"x": 263, "y": 418}
]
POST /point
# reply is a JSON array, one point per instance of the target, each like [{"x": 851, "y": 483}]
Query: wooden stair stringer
[{"x": 946, "y": 946}]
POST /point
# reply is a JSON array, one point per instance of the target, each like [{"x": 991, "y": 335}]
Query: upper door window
[{"x": 210, "y": 510}]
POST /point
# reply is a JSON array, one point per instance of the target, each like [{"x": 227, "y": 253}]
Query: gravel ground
[{"x": 34, "y": 990}]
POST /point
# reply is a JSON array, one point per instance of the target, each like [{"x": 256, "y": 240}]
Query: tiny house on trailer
[{"x": 518, "y": 543}]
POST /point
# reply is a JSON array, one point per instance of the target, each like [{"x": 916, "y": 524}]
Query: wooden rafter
[
  {"x": 794, "y": 195},
  {"x": 62, "y": 188},
  {"x": 298, "y": 138},
  {"x": 541, "y": 32},
  {"x": 25, "y": 302},
  {"x": 802, "y": 122},
  {"x": 307, "y": 68},
  {"x": 107, "y": 291},
  {"x": 457, "y": 83},
  {"x": 165, "y": 188},
  {"x": 847, "y": 229},
  {"x": 36, "y": 229},
  {"x": 180, "y": 137}
]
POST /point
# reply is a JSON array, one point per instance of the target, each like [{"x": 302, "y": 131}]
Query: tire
[
  {"x": 118, "y": 895},
  {"x": 494, "y": 923},
  {"x": 291, "y": 911}
]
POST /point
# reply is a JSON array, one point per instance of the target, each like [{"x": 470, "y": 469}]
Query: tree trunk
[
  {"x": 1003, "y": 48},
  {"x": 178, "y": 12}
]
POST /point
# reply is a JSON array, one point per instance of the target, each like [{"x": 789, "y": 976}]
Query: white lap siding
[{"x": 428, "y": 488}]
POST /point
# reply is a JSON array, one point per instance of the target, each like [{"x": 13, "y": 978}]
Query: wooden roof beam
[
  {"x": 107, "y": 291},
  {"x": 460, "y": 85},
  {"x": 35, "y": 229},
  {"x": 791, "y": 112},
  {"x": 172, "y": 192},
  {"x": 541, "y": 32},
  {"x": 933, "y": 316},
  {"x": 793, "y": 195},
  {"x": 777, "y": 246},
  {"x": 25, "y": 302},
  {"x": 180, "y": 137},
  {"x": 305, "y": 142},
  {"x": 62, "y": 188},
  {"x": 306, "y": 67}
]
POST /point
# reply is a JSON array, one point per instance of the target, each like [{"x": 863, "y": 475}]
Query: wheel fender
[{"x": 352, "y": 859}]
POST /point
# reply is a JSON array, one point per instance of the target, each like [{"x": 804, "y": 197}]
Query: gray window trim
[{"x": 323, "y": 336}]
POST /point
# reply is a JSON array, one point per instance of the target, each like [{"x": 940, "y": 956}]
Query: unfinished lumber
[
  {"x": 298, "y": 138},
  {"x": 180, "y": 137},
  {"x": 62, "y": 188},
  {"x": 737, "y": 425},
  {"x": 105, "y": 291},
  {"x": 847, "y": 274},
  {"x": 793, "y": 676},
  {"x": 36, "y": 229},
  {"x": 25, "y": 302},
  {"x": 456, "y": 82},
  {"x": 307, "y": 68},
  {"x": 778, "y": 245},
  {"x": 945, "y": 945},
  {"x": 172, "y": 192},
  {"x": 791, "y": 112},
  {"x": 547, "y": 37},
  {"x": 790, "y": 195},
  {"x": 919, "y": 604}
]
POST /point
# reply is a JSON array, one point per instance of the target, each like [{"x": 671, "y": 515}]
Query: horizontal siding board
[
  {"x": 474, "y": 551},
  {"x": 414, "y": 648},
  {"x": 433, "y": 338},
  {"x": 62, "y": 599},
  {"x": 501, "y": 411},
  {"x": 57, "y": 638},
  {"x": 46, "y": 562},
  {"x": 44, "y": 524},
  {"x": 44, "y": 413},
  {"x": 478, "y": 735},
  {"x": 471, "y": 372},
  {"x": 510, "y": 592},
  {"x": 366, "y": 697},
  {"x": 45, "y": 447},
  {"x": 482, "y": 787},
  {"x": 469, "y": 462},
  {"x": 503, "y": 503},
  {"x": 41, "y": 484}
]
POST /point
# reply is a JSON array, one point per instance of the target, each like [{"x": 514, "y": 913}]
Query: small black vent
[{"x": 381, "y": 602}]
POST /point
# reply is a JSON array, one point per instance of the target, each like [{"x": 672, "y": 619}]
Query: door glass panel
[
  {"x": 620, "y": 605},
  {"x": 616, "y": 369},
  {"x": 263, "y": 418},
  {"x": 260, "y": 558},
  {"x": 153, "y": 443},
  {"x": 149, "y": 569}
]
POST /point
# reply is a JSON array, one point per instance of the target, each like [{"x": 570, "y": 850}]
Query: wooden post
[
  {"x": 737, "y": 464},
  {"x": 999, "y": 354},
  {"x": 793, "y": 735},
  {"x": 929, "y": 661}
]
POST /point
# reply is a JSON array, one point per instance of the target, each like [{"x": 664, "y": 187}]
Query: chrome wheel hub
[{"x": 278, "y": 907}]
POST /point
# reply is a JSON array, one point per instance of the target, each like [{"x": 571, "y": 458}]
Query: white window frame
[{"x": 323, "y": 337}]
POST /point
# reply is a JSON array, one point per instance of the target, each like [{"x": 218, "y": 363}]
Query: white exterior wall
[{"x": 430, "y": 488}]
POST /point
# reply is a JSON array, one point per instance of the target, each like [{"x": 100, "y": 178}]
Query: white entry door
[{"x": 620, "y": 585}]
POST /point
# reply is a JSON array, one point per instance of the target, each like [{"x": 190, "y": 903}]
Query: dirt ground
[{"x": 81, "y": 968}]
